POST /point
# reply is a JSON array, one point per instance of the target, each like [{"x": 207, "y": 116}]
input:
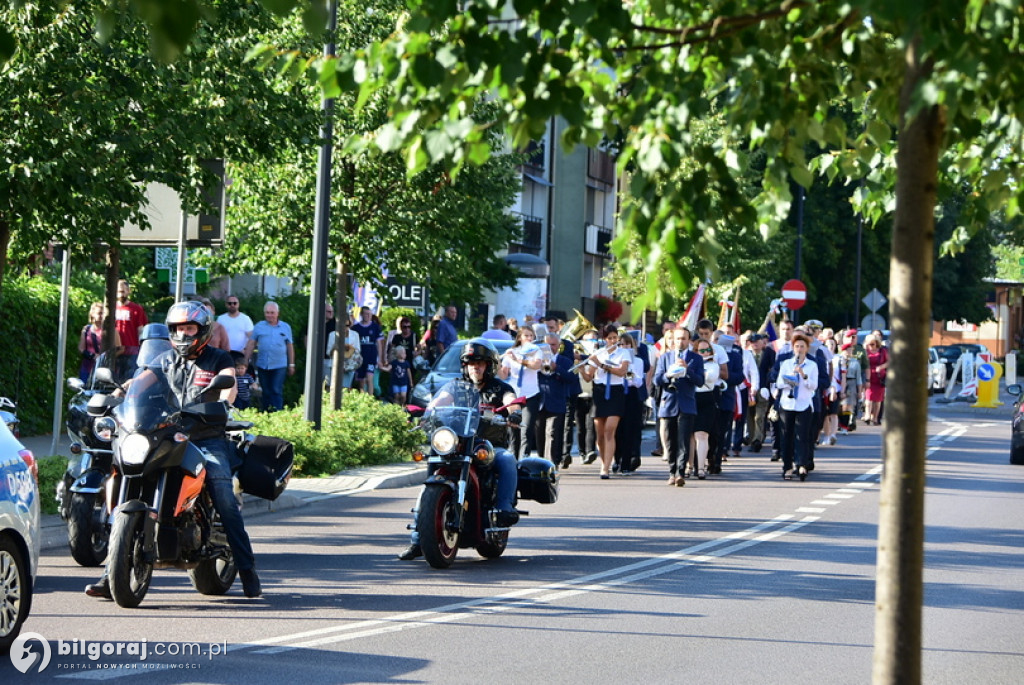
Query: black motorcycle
[
  {"x": 456, "y": 509},
  {"x": 91, "y": 426},
  {"x": 80, "y": 493}
]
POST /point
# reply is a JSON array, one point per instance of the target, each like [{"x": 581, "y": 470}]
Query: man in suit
[
  {"x": 764, "y": 357},
  {"x": 678, "y": 373}
]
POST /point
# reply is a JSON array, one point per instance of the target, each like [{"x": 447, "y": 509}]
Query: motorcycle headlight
[
  {"x": 443, "y": 441},
  {"x": 134, "y": 449},
  {"x": 104, "y": 427}
]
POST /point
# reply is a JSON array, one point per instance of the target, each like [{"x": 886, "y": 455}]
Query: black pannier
[
  {"x": 266, "y": 466},
  {"x": 538, "y": 480}
]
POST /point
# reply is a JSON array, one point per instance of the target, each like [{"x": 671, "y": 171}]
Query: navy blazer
[
  {"x": 678, "y": 394},
  {"x": 554, "y": 386},
  {"x": 727, "y": 400}
]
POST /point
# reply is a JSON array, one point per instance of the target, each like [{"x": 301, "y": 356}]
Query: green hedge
[
  {"x": 364, "y": 432},
  {"x": 30, "y": 311}
]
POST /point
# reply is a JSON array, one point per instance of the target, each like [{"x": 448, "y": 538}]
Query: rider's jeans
[{"x": 221, "y": 460}]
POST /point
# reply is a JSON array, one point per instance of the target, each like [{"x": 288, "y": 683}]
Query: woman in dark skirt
[
  {"x": 607, "y": 369},
  {"x": 707, "y": 407}
]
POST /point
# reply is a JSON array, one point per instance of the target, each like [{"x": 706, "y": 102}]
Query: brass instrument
[
  {"x": 608, "y": 350},
  {"x": 573, "y": 329}
]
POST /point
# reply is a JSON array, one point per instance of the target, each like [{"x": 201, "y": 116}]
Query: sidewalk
[{"x": 300, "y": 492}]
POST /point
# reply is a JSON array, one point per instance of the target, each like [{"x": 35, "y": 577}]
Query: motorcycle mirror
[
  {"x": 105, "y": 375},
  {"x": 76, "y": 384},
  {"x": 221, "y": 382}
]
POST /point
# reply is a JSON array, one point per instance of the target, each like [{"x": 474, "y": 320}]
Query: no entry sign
[{"x": 794, "y": 292}]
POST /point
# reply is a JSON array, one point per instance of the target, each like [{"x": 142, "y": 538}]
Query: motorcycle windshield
[
  {"x": 147, "y": 404},
  {"x": 455, "y": 406},
  {"x": 150, "y": 349}
]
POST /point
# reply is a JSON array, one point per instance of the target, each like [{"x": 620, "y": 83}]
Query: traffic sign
[
  {"x": 874, "y": 300},
  {"x": 986, "y": 372},
  {"x": 873, "y": 322},
  {"x": 794, "y": 292}
]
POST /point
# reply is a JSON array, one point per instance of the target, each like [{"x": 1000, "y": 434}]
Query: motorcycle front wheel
[
  {"x": 213, "y": 576},
  {"x": 87, "y": 535},
  {"x": 439, "y": 544},
  {"x": 128, "y": 571}
]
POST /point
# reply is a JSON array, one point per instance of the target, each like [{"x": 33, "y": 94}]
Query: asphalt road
[{"x": 742, "y": 578}]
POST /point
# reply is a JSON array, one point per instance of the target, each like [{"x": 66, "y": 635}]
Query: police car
[{"x": 19, "y": 535}]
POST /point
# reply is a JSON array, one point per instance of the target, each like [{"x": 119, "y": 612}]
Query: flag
[
  {"x": 695, "y": 310},
  {"x": 769, "y": 329},
  {"x": 724, "y": 317},
  {"x": 735, "y": 318}
]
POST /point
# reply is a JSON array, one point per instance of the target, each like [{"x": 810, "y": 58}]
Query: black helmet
[
  {"x": 189, "y": 346},
  {"x": 477, "y": 351}
]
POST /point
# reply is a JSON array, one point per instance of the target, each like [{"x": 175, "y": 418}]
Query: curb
[{"x": 302, "y": 491}]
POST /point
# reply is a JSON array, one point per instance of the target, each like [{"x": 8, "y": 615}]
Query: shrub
[
  {"x": 51, "y": 470},
  {"x": 30, "y": 310},
  {"x": 364, "y": 432}
]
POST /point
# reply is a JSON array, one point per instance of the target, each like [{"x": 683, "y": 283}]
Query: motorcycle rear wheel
[
  {"x": 213, "y": 576},
  {"x": 129, "y": 573},
  {"x": 87, "y": 538},
  {"x": 439, "y": 544}
]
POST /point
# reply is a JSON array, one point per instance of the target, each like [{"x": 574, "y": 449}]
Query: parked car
[
  {"x": 1017, "y": 429},
  {"x": 446, "y": 368},
  {"x": 951, "y": 353},
  {"x": 938, "y": 375},
  {"x": 19, "y": 535}
]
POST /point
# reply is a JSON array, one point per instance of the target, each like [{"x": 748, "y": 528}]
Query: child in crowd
[
  {"x": 243, "y": 380},
  {"x": 401, "y": 375}
]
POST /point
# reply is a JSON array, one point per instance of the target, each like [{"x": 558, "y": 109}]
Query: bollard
[{"x": 988, "y": 374}]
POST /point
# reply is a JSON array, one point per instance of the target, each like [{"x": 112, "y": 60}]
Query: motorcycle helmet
[
  {"x": 479, "y": 350},
  {"x": 189, "y": 346}
]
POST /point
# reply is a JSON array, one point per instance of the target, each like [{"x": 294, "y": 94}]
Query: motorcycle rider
[
  {"x": 189, "y": 367},
  {"x": 479, "y": 366}
]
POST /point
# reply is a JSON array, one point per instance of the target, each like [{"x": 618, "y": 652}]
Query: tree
[
  {"x": 934, "y": 75},
  {"x": 87, "y": 124},
  {"x": 430, "y": 228}
]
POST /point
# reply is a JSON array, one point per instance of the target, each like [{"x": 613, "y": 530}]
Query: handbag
[{"x": 353, "y": 358}]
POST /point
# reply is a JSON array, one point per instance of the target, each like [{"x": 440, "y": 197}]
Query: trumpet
[{"x": 608, "y": 350}]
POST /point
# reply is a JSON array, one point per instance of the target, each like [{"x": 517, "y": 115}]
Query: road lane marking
[{"x": 704, "y": 552}]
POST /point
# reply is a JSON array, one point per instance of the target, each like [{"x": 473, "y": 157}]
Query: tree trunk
[
  {"x": 5, "y": 241},
  {"x": 899, "y": 584},
  {"x": 340, "y": 326},
  {"x": 113, "y": 273}
]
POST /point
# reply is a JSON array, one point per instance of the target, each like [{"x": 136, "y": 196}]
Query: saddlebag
[
  {"x": 266, "y": 466},
  {"x": 538, "y": 480}
]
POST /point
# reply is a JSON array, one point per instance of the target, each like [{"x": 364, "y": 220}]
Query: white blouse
[
  {"x": 614, "y": 360},
  {"x": 800, "y": 397}
]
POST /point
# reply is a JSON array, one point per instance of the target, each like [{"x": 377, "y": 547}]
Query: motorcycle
[
  {"x": 90, "y": 425},
  {"x": 164, "y": 516},
  {"x": 8, "y": 414},
  {"x": 456, "y": 509},
  {"x": 80, "y": 493}
]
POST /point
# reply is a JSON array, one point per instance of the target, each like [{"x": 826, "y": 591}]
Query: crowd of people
[{"x": 710, "y": 392}]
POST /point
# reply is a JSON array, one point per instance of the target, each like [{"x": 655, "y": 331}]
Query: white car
[
  {"x": 19, "y": 535},
  {"x": 936, "y": 372}
]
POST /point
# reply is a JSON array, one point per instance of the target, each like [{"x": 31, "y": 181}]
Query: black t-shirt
[
  {"x": 193, "y": 377},
  {"x": 494, "y": 393}
]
